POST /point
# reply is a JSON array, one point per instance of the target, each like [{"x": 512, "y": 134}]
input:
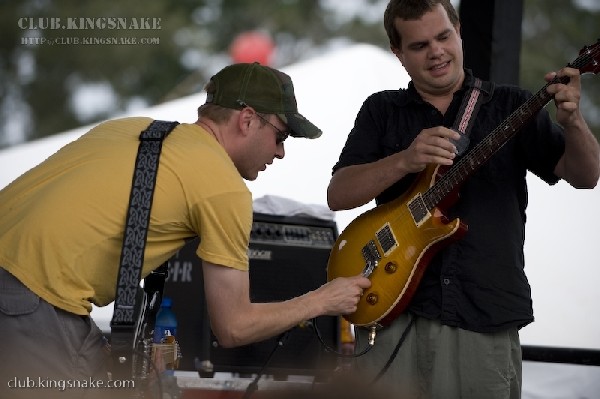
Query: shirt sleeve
[
  {"x": 542, "y": 144},
  {"x": 362, "y": 145},
  {"x": 225, "y": 224}
]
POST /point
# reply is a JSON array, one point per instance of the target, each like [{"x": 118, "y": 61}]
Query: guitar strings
[{"x": 499, "y": 136}]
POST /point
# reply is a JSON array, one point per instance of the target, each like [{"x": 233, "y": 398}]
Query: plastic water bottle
[
  {"x": 165, "y": 331},
  {"x": 166, "y": 322}
]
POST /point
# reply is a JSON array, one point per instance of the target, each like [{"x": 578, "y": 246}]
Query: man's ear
[
  {"x": 398, "y": 53},
  {"x": 245, "y": 118}
]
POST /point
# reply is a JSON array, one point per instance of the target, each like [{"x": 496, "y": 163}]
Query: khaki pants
[
  {"x": 46, "y": 352},
  {"x": 442, "y": 362}
]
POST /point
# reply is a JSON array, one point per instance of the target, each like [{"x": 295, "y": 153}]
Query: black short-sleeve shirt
[{"x": 477, "y": 283}]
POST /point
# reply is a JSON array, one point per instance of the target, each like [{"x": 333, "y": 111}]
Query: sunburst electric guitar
[{"x": 393, "y": 243}]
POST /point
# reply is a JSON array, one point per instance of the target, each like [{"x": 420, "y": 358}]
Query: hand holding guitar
[
  {"x": 431, "y": 146},
  {"x": 566, "y": 95},
  {"x": 579, "y": 163}
]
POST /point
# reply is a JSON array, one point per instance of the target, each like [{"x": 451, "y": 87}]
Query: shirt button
[{"x": 446, "y": 281}]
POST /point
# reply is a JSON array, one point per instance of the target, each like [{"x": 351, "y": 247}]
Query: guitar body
[{"x": 404, "y": 245}]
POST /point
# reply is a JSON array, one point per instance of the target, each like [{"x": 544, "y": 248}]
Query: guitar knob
[
  {"x": 372, "y": 298},
  {"x": 391, "y": 267}
]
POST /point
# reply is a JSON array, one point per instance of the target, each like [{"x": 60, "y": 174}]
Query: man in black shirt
[{"x": 474, "y": 294}]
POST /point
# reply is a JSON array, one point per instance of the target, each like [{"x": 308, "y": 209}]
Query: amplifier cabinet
[{"x": 288, "y": 257}]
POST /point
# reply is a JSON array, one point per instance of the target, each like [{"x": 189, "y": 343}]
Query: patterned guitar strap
[
  {"x": 127, "y": 300},
  {"x": 477, "y": 94}
]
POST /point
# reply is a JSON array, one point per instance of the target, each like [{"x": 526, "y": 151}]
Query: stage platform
[{"x": 225, "y": 386}]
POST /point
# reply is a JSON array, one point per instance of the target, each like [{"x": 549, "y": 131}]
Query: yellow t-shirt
[{"x": 62, "y": 222}]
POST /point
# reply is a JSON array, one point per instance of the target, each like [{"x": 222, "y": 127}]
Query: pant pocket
[
  {"x": 15, "y": 298},
  {"x": 93, "y": 355}
]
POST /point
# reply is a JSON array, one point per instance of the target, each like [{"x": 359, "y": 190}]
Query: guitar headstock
[{"x": 589, "y": 59}]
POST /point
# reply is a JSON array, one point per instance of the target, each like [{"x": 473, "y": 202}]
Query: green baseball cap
[{"x": 265, "y": 89}]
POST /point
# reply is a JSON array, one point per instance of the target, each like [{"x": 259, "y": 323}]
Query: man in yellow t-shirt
[{"x": 62, "y": 224}]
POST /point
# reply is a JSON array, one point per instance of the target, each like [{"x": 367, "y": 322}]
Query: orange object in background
[
  {"x": 346, "y": 336},
  {"x": 252, "y": 47}
]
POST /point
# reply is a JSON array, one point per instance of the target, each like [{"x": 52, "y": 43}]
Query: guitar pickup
[
  {"x": 418, "y": 210},
  {"x": 386, "y": 239}
]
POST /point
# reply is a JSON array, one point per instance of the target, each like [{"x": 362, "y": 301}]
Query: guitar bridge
[{"x": 371, "y": 256}]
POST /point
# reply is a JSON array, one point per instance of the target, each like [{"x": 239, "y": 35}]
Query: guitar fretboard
[{"x": 467, "y": 165}]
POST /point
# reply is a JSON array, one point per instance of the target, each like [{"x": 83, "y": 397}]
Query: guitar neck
[{"x": 482, "y": 152}]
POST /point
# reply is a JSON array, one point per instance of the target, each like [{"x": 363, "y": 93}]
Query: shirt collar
[{"x": 412, "y": 96}]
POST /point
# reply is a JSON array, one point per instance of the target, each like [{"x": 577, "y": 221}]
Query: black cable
[
  {"x": 253, "y": 386},
  {"x": 334, "y": 351},
  {"x": 369, "y": 346},
  {"x": 396, "y": 349}
]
